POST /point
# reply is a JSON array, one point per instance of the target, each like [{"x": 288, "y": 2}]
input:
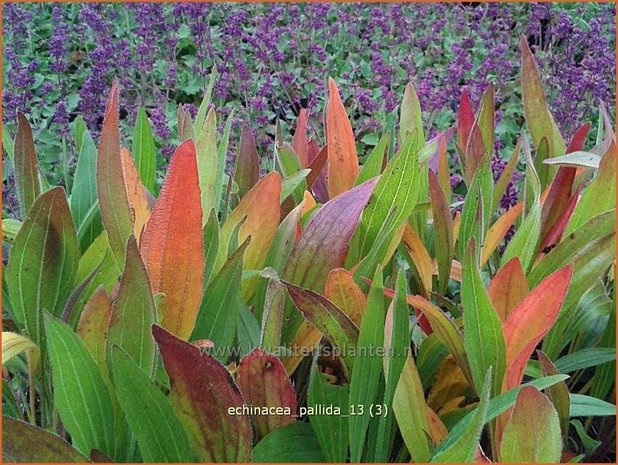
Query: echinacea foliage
[{"x": 326, "y": 311}]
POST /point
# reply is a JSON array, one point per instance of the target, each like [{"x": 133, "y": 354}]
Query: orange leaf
[
  {"x": 345, "y": 293},
  {"x": 437, "y": 430},
  {"x": 420, "y": 257},
  {"x": 508, "y": 288},
  {"x": 261, "y": 208},
  {"x": 136, "y": 195},
  {"x": 172, "y": 243},
  {"x": 306, "y": 339},
  {"x": 342, "y": 157},
  {"x": 113, "y": 201},
  {"x": 498, "y": 230},
  {"x": 449, "y": 385},
  {"x": 531, "y": 320}
]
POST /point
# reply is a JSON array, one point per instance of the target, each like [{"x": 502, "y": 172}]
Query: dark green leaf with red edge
[
  {"x": 26, "y": 166},
  {"x": 538, "y": 117},
  {"x": 531, "y": 320},
  {"x": 263, "y": 382},
  {"x": 172, "y": 243},
  {"x": 113, "y": 201},
  {"x": 327, "y": 318},
  {"x": 26, "y": 443},
  {"x": 557, "y": 198},
  {"x": 202, "y": 394},
  {"x": 247, "y": 162},
  {"x": 323, "y": 246},
  {"x": 555, "y": 232},
  {"x": 506, "y": 176},
  {"x": 42, "y": 263},
  {"x": 317, "y": 167},
  {"x": 443, "y": 229},
  {"x": 533, "y": 432},
  {"x": 133, "y": 312}
]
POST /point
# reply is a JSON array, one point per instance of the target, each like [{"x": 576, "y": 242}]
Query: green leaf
[
  {"x": 397, "y": 186},
  {"x": 133, "y": 312},
  {"x": 26, "y": 443},
  {"x": 367, "y": 372},
  {"x": 26, "y": 166},
  {"x": 295, "y": 443},
  {"x": 586, "y": 406},
  {"x": 218, "y": 315},
  {"x": 538, "y": 117},
  {"x": 159, "y": 434},
  {"x": 592, "y": 249},
  {"x": 111, "y": 191},
  {"x": 396, "y": 348},
  {"x": 248, "y": 329},
  {"x": 372, "y": 166},
  {"x": 577, "y": 159},
  {"x": 525, "y": 241},
  {"x": 84, "y": 201},
  {"x": 208, "y": 163},
  {"x": 272, "y": 319},
  {"x": 43, "y": 263},
  {"x": 605, "y": 374},
  {"x": 599, "y": 196},
  {"x": 533, "y": 431},
  {"x": 476, "y": 213},
  {"x": 222, "y": 157},
  {"x": 211, "y": 245},
  {"x": 463, "y": 448},
  {"x": 331, "y": 430},
  {"x": 144, "y": 150},
  {"x": 497, "y": 406},
  {"x": 411, "y": 119},
  {"x": 294, "y": 184},
  {"x": 203, "y": 109},
  {"x": 585, "y": 358},
  {"x": 483, "y": 337},
  {"x": 7, "y": 142},
  {"x": 80, "y": 393},
  {"x": 443, "y": 230}
]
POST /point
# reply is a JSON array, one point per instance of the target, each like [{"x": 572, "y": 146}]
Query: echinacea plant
[{"x": 325, "y": 311}]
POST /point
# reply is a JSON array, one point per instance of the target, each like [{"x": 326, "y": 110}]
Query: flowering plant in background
[
  {"x": 272, "y": 59},
  {"x": 334, "y": 299}
]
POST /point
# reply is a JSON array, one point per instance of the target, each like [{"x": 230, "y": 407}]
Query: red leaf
[
  {"x": 203, "y": 394},
  {"x": 172, "y": 244},
  {"x": 263, "y": 382},
  {"x": 531, "y": 320}
]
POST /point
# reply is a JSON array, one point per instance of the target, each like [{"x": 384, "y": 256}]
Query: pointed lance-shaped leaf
[
  {"x": 247, "y": 162},
  {"x": 342, "y": 157},
  {"x": 43, "y": 262},
  {"x": 26, "y": 165},
  {"x": 113, "y": 200},
  {"x": 323, "y": 245},
  {"x": 172, "y": 243}
]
